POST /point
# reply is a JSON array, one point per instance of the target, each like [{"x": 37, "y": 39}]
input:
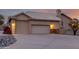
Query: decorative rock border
[{"x": 7, "y": 40}]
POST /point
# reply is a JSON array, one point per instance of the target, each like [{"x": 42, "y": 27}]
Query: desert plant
[{"x": 74, "y": 24}]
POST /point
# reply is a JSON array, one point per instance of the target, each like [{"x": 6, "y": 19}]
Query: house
[
  {"x": 35, "y": 23},
  {"x": 65, "y": 20}
]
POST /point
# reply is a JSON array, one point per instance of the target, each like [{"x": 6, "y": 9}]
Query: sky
[{"x": 73, "y": 13}]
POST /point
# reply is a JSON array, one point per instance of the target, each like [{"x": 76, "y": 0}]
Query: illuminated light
[
  {"x": 13, "y": 24},
  {"x": 52, "y": 26},
  {"x": 13, "y": 27}
]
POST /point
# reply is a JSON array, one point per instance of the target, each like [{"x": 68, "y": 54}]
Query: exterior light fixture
[
  {"x": 52, "y": 26},
  {"x": 13, "y": 27}
]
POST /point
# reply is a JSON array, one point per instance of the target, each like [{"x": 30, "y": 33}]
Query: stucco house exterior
[
  {"x": 41, "y": 23},
  {"x": 65, "y": 20},
  {"x": 35, "y": 23}
]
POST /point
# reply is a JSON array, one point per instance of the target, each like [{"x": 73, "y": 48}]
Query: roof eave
[
  {"x": 66, "y": 16},
  {"x": 44, "y": 20}
]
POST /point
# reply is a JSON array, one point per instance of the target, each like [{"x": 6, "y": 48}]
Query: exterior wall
[
  {"x": 66, "y": 27},
  {"x": 22, "y": 27},
  {"x": 43, "y": 23},
  {"x": 25, "y": 27},
  {"x": 65, "y": 22},
  {"x": 13, "y": 26},
  {"x": 22, "y": 17}
]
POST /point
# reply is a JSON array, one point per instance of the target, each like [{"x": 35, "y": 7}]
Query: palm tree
[{"x": 1, "y": 19}]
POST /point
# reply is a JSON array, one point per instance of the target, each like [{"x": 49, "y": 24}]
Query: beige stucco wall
[
  {"x": 42, "y": 23},
  {"x": 25, "y": 27},
  {"x": 45, "y": 23},
  {"x": 22, "y": 27},
  {"x": 22, "y": 17}
]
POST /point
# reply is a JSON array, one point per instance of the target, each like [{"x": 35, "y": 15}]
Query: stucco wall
[
  {"x": 65, "y": 22},
  {"x": 45, "y": 23},
  {"x": 66, "y": 27},
  {"x": 42, "y": 23},
  {"x": 22, "y": 17},
  {"x": 25, "y": 27},
  {"x": 22, "y": 27}
]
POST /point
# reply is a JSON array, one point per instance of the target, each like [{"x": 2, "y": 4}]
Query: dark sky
[{"x": 74, "y": 13}]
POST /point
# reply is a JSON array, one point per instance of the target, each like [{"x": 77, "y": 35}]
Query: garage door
[{"x": 40, "y": 29}]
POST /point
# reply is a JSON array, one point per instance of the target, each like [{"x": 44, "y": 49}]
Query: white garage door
[{"x": 40, "y": 29}]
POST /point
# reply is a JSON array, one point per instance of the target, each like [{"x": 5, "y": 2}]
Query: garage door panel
[{"x": 40, "y": 29}]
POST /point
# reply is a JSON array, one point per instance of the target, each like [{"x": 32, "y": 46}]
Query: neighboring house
[
  {"x": 65, "y": 20},
  {"x": 65, "y": 24},
  {"x": 35, "y": 23}
]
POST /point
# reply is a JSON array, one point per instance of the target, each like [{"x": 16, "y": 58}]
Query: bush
[{"x": 56, "y": 31}]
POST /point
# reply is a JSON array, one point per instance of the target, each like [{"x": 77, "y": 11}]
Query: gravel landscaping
[{"x": 7, "y": 40}]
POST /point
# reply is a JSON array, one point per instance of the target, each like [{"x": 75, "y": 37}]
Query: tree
[
  {"x": 1, "y": 19},
  {"x": 74, "y": 24}
]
